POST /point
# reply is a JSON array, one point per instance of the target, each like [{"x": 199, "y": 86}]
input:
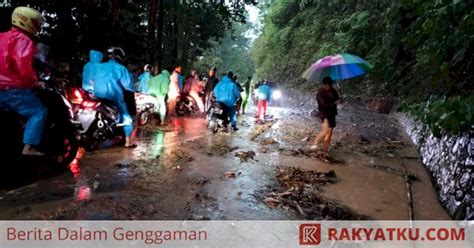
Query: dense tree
[
  {"x": 231, "y": 53},
  {"x": 150, "y": 31},
  {"x": 420, "y": 49}
]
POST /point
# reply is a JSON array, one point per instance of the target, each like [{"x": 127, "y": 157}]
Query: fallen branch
[{"x": 300, "y": 210}]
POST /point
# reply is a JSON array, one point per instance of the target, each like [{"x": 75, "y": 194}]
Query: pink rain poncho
[{"x": 16, "y": 60}]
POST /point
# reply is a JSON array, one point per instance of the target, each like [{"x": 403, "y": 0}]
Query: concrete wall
[{"x": 450, "y": 160}]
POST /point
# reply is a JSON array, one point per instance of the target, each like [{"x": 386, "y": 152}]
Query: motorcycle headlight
[{"x": 276, "y": 94}]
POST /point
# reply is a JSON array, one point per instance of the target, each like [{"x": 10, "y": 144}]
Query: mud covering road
[{"x": 262, "y": 172}]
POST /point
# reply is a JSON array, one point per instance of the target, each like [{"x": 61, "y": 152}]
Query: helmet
[
  {"x": 147, "y": 67},
  {"x": 116, "y": 53},
  {"x": 27, "y": 19}
]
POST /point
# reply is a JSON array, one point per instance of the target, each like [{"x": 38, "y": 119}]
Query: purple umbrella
[{"x": 338, "y": 67}]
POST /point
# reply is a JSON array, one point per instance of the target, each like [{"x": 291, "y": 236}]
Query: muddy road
[{"x": 262, "y": 172}]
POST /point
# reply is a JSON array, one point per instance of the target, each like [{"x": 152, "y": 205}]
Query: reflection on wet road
[{"x": 182, "y": 171}]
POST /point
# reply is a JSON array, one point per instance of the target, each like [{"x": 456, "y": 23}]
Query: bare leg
[
  {"x": 327, "y": 141},
  {"x": 30, "y": 151},
  {"x": 321, "y": 135},
  {"x": 128, "y": 142},
  {"x": 171, "y": 106}
]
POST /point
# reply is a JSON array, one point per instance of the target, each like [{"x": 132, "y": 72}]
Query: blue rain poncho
[
  {"x": 95, "y": 57},
  {"x": 264, "y": 93},
  {"x": 226, "y": 92},
  {"x": 109, "y": 82},
  {"x": 143, "y": 82}
]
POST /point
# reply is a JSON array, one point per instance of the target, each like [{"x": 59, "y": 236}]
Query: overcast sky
[
  {"x": 253, "y": 17},
  {"x": 253, "y": 13}
]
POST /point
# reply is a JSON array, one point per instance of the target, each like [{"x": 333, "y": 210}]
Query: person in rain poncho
[
  {"x": 193, "y": 88},
  {"x": 18, "y": 78},
  {"x": 95, "y": 57},
  {"x": 143, "y": 79},
  {"x": 110, "y": 82},
  {"x": 174, "y": 91},
  {"x": 239, "y": 100},
  {"x": 227, "y": 92},
  {"x": 130, "y": 97},
  {"x": 211, "y": 82},
  {"x": 264, "y": 96},
  {"x": 158, "y": 88},
  {"x": 246, "y": 94}
]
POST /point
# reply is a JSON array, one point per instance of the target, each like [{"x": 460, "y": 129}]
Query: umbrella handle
[{"x": 339, "y": 91}]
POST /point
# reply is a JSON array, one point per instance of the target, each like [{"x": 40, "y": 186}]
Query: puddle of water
[{"x": 145, "y": 179}]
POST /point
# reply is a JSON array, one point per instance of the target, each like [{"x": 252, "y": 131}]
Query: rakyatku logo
[{"x": 310, "y": 234}]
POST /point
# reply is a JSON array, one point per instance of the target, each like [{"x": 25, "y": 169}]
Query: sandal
[
  {"x": 325, "y": 157},
  {"x": 314, "y": 148},
  {"x": 131, "y": 146}
]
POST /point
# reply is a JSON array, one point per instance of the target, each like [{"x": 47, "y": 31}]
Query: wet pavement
[{"x": 262, "y": 172}]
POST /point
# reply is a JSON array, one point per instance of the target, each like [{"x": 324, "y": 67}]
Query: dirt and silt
[{"x": 262, "y": 172}]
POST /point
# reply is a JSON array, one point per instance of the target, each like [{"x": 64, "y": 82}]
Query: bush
[{"x": 442, "y": 114}]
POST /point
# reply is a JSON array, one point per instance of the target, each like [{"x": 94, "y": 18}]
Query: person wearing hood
[
  {"x": 158, "y": 87},
  {"x": 264, "y": 96},
  {"x": 246, "y": 94},
  {"x": 110, "y": 82},
  {"x": 95, "y": 58},
  {"x": 174, "y": 91},
  {"x": 227, "y": 92},
  {"x": 143, "y": 79},
  {"x": 18, "y": 77}
]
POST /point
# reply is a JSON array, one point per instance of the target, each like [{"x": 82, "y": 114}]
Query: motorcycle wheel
[
  {"x": 67, "y": 152},
  {"x": 181, "y": 109},
  {"x": 90, "y": 143},
  {"x": 213, "y": 124},
  {"x": 194, "y": 106},
  {"x": 143, "y": 118}
]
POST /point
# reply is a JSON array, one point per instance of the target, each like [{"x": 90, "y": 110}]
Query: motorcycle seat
[{"x": 104, "y": 101}]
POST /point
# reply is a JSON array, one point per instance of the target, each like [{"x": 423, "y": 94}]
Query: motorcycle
[
  {"x": 100, "y": 121},
  {"x": 217, "y": 117},
  {"x": 186, "y": 105},
  {"x": 60, "y": 141},
  {"x": 145, "y": 108}
]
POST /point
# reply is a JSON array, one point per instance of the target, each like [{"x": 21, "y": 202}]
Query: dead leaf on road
[
  {"x": 271, "y": 202},
  {"x": 245, "y": 155},
  {"x": 231, "y": 174}
]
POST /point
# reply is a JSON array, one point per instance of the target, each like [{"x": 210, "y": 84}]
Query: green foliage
[
  {"x": 76, "y": 26},
  {"x": 231, "y": 53},
  {"x": 419, "y": 48},
  {"x": 453, "y": 114}
]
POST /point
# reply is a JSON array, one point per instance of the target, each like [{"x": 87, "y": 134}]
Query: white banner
[{"x": 236, "y": 234}]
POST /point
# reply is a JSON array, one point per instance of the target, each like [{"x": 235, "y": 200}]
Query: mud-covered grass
[
  {"x": 219, "y": 149},
  {"x": 260, "y": 129},
  {"x": 300, "y": 191}
]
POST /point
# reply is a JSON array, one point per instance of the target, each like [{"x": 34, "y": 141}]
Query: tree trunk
[
  {"x": 159, "y": 40},
  {"x": 115, "y": 18},
  {"x": 152, "y": 29},
  {"x": 174, "y": 54}
]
